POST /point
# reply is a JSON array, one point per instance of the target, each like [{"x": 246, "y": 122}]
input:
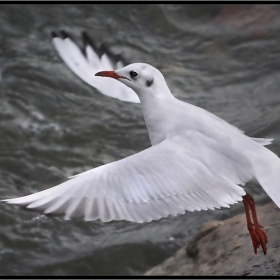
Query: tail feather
[{"x": 267, "y": 171}]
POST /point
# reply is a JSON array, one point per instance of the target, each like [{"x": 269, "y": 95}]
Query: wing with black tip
[{"x": 89, "y": 59}]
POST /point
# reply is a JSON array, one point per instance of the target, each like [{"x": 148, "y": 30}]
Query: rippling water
[{"x": 224, "y": 58}]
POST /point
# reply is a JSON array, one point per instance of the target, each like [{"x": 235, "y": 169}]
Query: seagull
[{"x": 196, "y": 161}]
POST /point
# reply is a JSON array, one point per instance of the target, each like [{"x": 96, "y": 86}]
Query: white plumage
[{"x": 197, "y": 161}]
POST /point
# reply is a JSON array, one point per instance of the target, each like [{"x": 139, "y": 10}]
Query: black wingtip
[
  {"x": 54, "y": 34},
  {"x": 114, "y": 57},
  {"x": 64, "y": 34},
  {"x": 104, "y": 49},
  {"x": 87, "y": 41}
]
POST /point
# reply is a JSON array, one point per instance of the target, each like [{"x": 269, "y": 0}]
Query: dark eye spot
[
  {"x": 133, "y": 74},
  {"x": 149, "y": 82}
]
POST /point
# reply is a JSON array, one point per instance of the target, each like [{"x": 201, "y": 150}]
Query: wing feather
[
  {"x": 163, "y": 180},
  {"x": 85, "y": 64}
]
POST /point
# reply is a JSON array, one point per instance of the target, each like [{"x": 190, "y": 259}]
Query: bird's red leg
[
  {"x": 250, "y": 225},
  {"x": 260, "y": 232},
  {"x": 258, "y": 236}
]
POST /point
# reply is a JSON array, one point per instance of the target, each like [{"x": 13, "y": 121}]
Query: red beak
[{"x": 110, "y": 74}]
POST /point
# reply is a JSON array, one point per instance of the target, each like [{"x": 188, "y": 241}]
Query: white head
[{"x": 141, "y": 77}]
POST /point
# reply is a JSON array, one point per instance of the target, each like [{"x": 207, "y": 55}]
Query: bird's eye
[{"x": 133, "y": 74}]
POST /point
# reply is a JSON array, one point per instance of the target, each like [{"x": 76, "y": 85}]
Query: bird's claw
[{"x": 259, "y": 238}]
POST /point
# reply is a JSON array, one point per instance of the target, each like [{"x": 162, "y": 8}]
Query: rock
[{"x": 225, "y": 248}]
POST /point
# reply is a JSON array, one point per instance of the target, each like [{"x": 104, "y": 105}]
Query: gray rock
[{"x": 225, "y": 248}]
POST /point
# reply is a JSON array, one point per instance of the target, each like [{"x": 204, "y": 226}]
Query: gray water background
[{"x": 224, "y": 58}]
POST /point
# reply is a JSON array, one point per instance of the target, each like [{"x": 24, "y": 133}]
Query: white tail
[{"x": 267, "y": 171}]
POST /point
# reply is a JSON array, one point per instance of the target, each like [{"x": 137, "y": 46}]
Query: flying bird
[{"x": 196, "y": 161}]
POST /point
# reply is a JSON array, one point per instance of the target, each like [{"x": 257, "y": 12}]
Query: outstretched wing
[
  {"x": 165, "y": 179},
  {"x": 85, "y": 62}
]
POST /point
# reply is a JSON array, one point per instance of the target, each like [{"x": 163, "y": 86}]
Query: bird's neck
[{"x": 156, "y": 111}]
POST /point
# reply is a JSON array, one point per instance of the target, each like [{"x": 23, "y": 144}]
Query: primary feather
[{"x": 87, "y": 61}]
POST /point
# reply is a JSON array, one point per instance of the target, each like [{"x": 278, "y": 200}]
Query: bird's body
[{"x": 196, "y": 161}]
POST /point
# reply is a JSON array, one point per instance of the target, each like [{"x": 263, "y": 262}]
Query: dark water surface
[{"x": 225, "y": 59}]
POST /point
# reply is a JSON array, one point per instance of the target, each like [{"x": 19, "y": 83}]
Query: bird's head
[{"x": 140, "y": 77}]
